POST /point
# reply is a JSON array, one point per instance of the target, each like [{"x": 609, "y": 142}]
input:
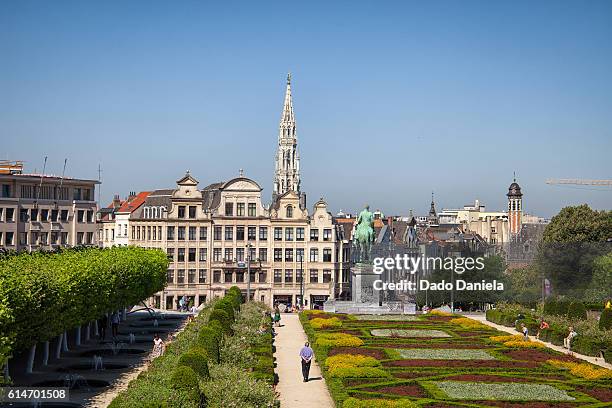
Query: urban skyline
[{"x": 460, "y": 109}]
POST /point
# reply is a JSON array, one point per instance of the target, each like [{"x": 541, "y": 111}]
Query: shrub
[
  {"x": 319, "y": 323},
  {"x": 605, "y": 320},
  {"x": 208, "y": 339},
  {"x": 584, "y": 370},
  {"x": 227, "y": 306},
  {"x": 436, "y": 312},
  {"x": 312, "y": 312},
  {"x": 505, "y": 338},
  {"x": 357, "y": 372},
  {"x": 338, "y": 340},
  {"x": 185, "y": 380},
  {"x": 232, "y": 387},
  {"x": 350, "y": 360},
  {"x": 524, "y": 344},
  {"x": 223, "y": 318},
  {"x": 378, "y": 403},
  {"x": 551, "y": 307},
  {"x": 576, "y": 310},
  {"x": 196, "y": 361}
]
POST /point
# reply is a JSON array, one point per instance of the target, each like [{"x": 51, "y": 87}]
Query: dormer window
[{"x": 289, "y": 211}]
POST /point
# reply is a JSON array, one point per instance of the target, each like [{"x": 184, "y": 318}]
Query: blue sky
[{"x": 392, "y": 99}]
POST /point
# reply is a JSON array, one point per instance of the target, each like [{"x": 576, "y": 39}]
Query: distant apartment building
[
  {"x": 39, "y": 211},
  {"x": 492, "y": 226},
  {"x": 114, "y": 220}
]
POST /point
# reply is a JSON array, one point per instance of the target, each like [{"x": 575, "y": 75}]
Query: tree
[
  {"x": 579, "y": 224},
  {"x": 524, "y": 286},
  {"x": 601, "y": 284}
]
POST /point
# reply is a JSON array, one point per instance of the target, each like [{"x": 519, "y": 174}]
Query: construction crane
[{"x": 580, "y": 182}]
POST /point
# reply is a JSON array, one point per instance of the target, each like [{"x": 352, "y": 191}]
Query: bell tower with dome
[{"x": 515, "y": 209}]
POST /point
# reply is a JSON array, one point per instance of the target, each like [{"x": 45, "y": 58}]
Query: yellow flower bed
[
  {"x": 313, "y": 312},
  {"x": 505, "y": 338},
  {"x": 467, "y": 323},
  {"x": 338, "y": 340},
  {"x": 319, "y": 323},
  {"x": 438, "y": 313},
  {"x": 350, "y": 360},
  {"x": 584, "y": 370},
  {"x": 524, "y": 344}
]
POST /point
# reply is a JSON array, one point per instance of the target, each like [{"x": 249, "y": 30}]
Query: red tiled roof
[{"x": 133, "y": 204}]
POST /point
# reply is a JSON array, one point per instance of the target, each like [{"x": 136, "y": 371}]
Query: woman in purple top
[{"x": 306, "y": 355}]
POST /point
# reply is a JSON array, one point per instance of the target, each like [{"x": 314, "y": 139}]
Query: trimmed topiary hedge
[
  {"x": 185, "y": 379},
  {"x": 576, "y": 310},
  {"x": 45, "y": 294},
  {"x": 605, "y": 320},
  {"x": 196, "y": 361},
  {"x": 209, "y": 339},
  {"x": 224, "y": 320}
]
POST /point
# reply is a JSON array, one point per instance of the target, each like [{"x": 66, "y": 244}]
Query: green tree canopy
[{"x": 579, "y": 224}]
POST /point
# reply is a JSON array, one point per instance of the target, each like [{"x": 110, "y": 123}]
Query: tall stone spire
[{"x": 287, "y": 169}]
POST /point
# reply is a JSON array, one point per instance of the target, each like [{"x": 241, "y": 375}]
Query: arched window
[
  {"x": 289, "y": 211},
  {"x": 146, "y": 212}
]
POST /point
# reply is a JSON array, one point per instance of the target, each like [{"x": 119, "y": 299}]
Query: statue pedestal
[{"x": 362, "y": 287}]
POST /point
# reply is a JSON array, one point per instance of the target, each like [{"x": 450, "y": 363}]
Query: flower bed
[
  {"x": 462, "y": 390},
  {"x": 388, "y": 318},
  {"x": 445, "y": 354},
  {"x": 409, "y": 333},
  {"x": 329, "y": 323}
]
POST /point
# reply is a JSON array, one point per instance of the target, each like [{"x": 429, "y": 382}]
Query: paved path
[
  {"x": 294, "y": 392},
  {"x": 593, "y": 360}
]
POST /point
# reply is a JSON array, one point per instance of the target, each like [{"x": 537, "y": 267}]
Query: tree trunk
[
  {"x": 31, "y": 356},
  {"x": 46, "y": 353},
  {"x": 88, "y": 332},
  {"x": 77, "y": 341},
  {"x": 6, "y": 372},
  {"x": 96, "y": 329},
  {"x": 125, "y": 314},
  {"x": 65, "y": 342},
  {"x": 58, "y": 348}
]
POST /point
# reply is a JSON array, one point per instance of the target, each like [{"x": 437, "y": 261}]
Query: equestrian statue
[{"x": 364, "y": 234}]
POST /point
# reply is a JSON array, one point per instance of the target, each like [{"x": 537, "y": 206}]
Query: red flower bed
[
  {"x": 602, "y": 394},
  {"x": 538, "y": 356},
  {"x": 440, "y": 318},
  {"x": 413, "y": 374},
  {"x": 535, "y": 404},
  {"x": 376, "y": 353},
  {"x": 353, "y": 332},
  {"x": 412, "y": 390},
  {"x": 462, "y": 363},
  {"x": 500, "y": 378}
]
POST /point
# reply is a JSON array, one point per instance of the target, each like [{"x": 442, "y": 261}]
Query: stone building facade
[{"x": 45, "y": 212}]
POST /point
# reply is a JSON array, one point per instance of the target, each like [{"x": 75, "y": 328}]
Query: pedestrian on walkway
[
  {"x": 277, "y": 317},
  {"x": 158, "y": 347},
  {"x": 115, "y": 324},
  {"x": 525, "y": 331},
  {"x": 102, "y": 323},
  {"x": 543, "y": 326},
  {"x": 567, "y": 342},
  {"x": 306, "y": 355}
]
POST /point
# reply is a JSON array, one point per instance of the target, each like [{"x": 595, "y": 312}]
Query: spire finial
[
  {"x": 241, "y": 173},
  {"x": 289, "y": 78},
  {"x": 514, "y": 175}
]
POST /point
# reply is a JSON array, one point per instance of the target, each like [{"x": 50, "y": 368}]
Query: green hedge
[
  {"x": 195, "y": 360},
  {"x": 605, "y": 320},
  {"x": 576, "y": 310},
  {"x": 45, "y": 294}
]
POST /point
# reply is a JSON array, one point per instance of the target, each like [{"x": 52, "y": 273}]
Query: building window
[
  {"x": 216, "y": 276},
  {"x": 252, "y": 233},
  {"x": 80, "y": 238},
  {"x": 314, "y": 255},
  {"x": 170, "y": 253},
  {"x": 192, "y": 255},
  {"x": 181, "y": 255},
  {"x": 170, "y": 276},
  {"x": 278, "y": 234},
  {"x": 169, "y": 232},
  {"x": 44, "y": 215},
  {"x": 148, "y": 232},
  {"x": 239, "y": 276},
  {"x": 252, "y": 210},
  {"x": 191, "y": 276},
  {"x": 133, "y": 232},
  {"x": 278, "y": 254},
  {"x": 299, "y": 234},
  {"x": 289, "y": 211},
  {"x": 34, "y": 214},
  {"x": 314, "y": 234},
  {"x": 10, "y": 214},
  {"x": 278, "y": 276},
  {"x": 192, "y": 233},
  {"x": 327, "y": 234},
  {"x": 288, "y": 275},
  {"x": 181, "y": 211},
  {"x": 288, "y": 234},
  {"x": 180, "y": 276},
  {"x": 263, "y": 254},
  {"x": 8, "y": 238},
  {"x": 217, "y": 233},
  {"x": 23, "y": 215},
  {"x": 314, "y": 276},
  {"x": 327, "y": 255},
  {"x": 263, "y": 233},
  {"x": 263, "y": 277},
  {"x": 240, "y": 209},
  {"x": 240, "y": 254},
  {"x": 203, "y": 254},
  {"x": 159, "y": 232},
  {"x": 252, "y": 256},
  {"x": 88, "y": 237},
  {"x": 326, "y": 275},
  {"x": 216, "y": 254},
  {"x": 202, "y": 276},
  {"x": 192, "y": 212},
  {"x": 240, "y": 233},
  {"x": 229, "y": 254},
  {"x": 64, "y": 216},
  {"x": 6, "y": 191},
  {"x": 229, "y": 209},
  {"x": 288, "y": 254},
  {"x": 299, "y": 254},
  {"x": 154, "y": 233},
  {"x": 229, "y": 233},
  {"x": 228, "y": 278},
  {"x": 298, "y": 275},
  {"x": 181, "y": 233},
  {"x": 203, "y": 233}
]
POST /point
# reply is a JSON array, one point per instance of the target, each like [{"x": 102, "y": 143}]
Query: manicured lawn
[{"x": 438, "y": 361}]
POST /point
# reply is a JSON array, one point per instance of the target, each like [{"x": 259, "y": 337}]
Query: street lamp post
[{"x": 301, "y": 282}]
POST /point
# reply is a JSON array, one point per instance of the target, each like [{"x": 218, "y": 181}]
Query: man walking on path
[{"x": 306, "y": 355}]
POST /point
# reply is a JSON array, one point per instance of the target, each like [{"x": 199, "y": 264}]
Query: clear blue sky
[{"x": 392, "y": 99}]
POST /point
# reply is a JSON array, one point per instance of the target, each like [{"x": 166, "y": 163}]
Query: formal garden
[{"x": 443, "y": 360}]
